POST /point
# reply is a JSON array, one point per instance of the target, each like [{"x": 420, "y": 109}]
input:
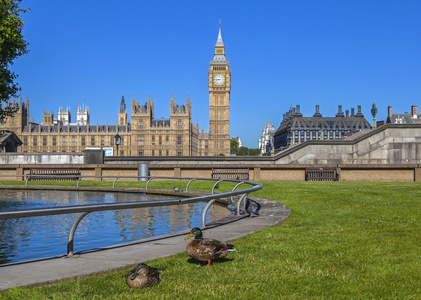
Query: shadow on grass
[{"x": 214, "y": 261}]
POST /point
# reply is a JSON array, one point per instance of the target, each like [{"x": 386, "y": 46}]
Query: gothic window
[
  {"x": 83, "y": 141},
  {"x": 34, "y": 141},
  {"x": 12, "y": 121},
  {"x": 122, "y": 142},
  {"x": 54, "y": 141},
  {"x": 73, "y": 141},
  {"x": 44, "y": 141},
  {"x": 179, "y": 140},
  {"x": 160, "y": 141},
  {"x": 63, "y": 141},
  {"x": 160, "y": 153},
  {"x": 111, "y": 140},
  {"x": 167, "y": 140},
  {"x": 153, "y": 140},
  {"x": 140, "y": 153},
  {"x": 179, "y": 152},
  {"x": 179, "y": 124},
  {"x": 140, "y": 140},
  {"x": 102, "y": 141},
  {"x": 140, "y": 124},
  {"x": 166, "y": 152},
  {"x": 153, "y": 152},
  {"x": 25, "y": 141},
  {"x": 92, "y": 141}
]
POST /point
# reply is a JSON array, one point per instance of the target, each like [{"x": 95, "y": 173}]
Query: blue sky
[{"x": 281, "y": 53}]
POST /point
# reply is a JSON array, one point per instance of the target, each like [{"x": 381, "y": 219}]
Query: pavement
[{"x": 93, "y": 262}]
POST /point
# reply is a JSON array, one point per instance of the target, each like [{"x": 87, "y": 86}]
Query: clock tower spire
[{"x": 219, "y": 83}]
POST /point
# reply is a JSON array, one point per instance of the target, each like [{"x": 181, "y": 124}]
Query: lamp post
[
  {"x": 374, "y": 113},
  {"x": 117, "y": 141}
]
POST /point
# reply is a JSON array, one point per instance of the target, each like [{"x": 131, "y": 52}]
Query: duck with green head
[{"x": 206, "y": 250}]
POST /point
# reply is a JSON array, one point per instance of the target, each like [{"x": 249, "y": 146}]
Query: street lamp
[
  {"x": 373, "y": 113},
  {"x": 117, "y": 141}
]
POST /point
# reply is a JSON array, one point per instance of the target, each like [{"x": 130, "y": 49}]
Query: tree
[
  {"x": 12, "y": 45},
  {"x": 234, "y": 146}
]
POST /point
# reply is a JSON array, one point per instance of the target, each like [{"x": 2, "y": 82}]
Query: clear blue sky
[{"x": 281, "y": 53}]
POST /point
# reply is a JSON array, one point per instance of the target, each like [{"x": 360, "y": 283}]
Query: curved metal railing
[{"x": 84, "y": 210}]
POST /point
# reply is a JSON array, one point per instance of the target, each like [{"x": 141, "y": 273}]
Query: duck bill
[
  {"x": 189, "y": 236},
  {"x": 134, "y": 275}
]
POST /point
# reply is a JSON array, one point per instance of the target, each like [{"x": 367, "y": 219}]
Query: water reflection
[{"x": 37, "y": 237}]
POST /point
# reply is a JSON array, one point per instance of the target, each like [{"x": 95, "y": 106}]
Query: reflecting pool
[{"x": 38, "y": 237}]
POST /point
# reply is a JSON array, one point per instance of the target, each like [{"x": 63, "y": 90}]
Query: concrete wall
[{"x": 41, "y": 158}]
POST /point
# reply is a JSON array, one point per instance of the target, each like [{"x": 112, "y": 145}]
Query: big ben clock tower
[{"x": 219, "y": 81}]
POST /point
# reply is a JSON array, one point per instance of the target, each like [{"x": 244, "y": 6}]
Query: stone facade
[
  {"x": 295, "y": 128},
  {"x": 144, "y": 135},
  {"x": 266, "y": 141}
]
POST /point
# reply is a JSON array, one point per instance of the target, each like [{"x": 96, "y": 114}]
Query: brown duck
[
  {"x": 206, "y": 249},
  {"x": 143, "y": 276}
]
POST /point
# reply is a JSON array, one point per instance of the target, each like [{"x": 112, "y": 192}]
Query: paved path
[{"x": 55, "y": 269}]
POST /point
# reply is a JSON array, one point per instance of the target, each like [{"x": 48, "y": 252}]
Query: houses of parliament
[{"x": 144, "y": 135}]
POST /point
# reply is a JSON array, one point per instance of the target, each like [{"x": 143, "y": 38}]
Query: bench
[
  {"x": 54, "y": 174},
  {"x": 240, "y": 174},
  {"x": 321, "y": 174}
]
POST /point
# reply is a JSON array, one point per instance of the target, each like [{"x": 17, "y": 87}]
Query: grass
[{"x": 343, "y": 240}]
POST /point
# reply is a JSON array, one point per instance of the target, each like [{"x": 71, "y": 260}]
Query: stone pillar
[
  {"x": 256, "y": 173},
  {"x": 19, "y": 171},
  {"x": 98, "y": 172},
  {"x": 417, "y": 173},
  {"x": 177, "y": 172}
]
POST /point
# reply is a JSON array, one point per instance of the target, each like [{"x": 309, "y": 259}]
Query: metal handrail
[{"x": 83, "y": 210}]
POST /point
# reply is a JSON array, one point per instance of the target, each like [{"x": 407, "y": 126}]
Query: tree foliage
[
  {"x": 243, "y": 151},
  {"x": 12, "y": 45}
]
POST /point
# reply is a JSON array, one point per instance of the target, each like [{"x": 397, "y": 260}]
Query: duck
[
  {"x": 143, "y": 276},
  {"x": 206, "y": 250},
  {"x": 231, "y": 206},
  {"x": 251, "y": 209}
]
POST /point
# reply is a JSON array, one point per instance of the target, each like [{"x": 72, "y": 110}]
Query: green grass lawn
[{"x": 343, "y": 240}]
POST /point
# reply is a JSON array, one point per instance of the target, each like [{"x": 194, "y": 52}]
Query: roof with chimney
[
  {"x": 403, "y": 118},
  {"x": 293, "y": 119}
]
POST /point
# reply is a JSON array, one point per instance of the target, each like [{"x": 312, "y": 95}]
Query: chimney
[
  {"x": 317, "y": 113},
  {"x": 414, "y": 111},
  {"x": 389, "y": 111},
  {"x": 352, "y": 112},
  {"x": 298, "y": 109},
  {"x": 347, "y": 113},
  {"x": 340, "y": 113}
]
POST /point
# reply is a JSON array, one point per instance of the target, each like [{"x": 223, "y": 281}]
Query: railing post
[
  {"x": 115, "y": 181},
  {"x": 187, "y": 187},
  {"x": 205, "y": 211},
  {"x": 72, "y": 232}
]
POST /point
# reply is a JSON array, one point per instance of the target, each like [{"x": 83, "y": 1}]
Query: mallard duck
[
  {"x": 143, "y": 276},
  {"x": 206, "y": 249},
  {"x": 251, "y": 209}
]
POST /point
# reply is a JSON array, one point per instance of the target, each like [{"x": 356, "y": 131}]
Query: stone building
[
  {"x": 295, "y": 128},
  {"x": 403, "y": 118},
  {"x": 143, "y": 135},
  {"x": 266, "y": 141}
]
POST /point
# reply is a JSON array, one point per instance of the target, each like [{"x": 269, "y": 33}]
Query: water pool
[{"x": 38, "y": 237}]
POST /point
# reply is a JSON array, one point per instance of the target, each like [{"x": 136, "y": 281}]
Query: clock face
[{"x": 219, "y": 79}]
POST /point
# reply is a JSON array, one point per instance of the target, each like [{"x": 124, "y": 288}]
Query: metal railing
[{"x": 84, "y": 210}]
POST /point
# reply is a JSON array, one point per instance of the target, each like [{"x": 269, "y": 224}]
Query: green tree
[
  {"x": 234, "y": 146},
  {"x": 12, "y": 45}
]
